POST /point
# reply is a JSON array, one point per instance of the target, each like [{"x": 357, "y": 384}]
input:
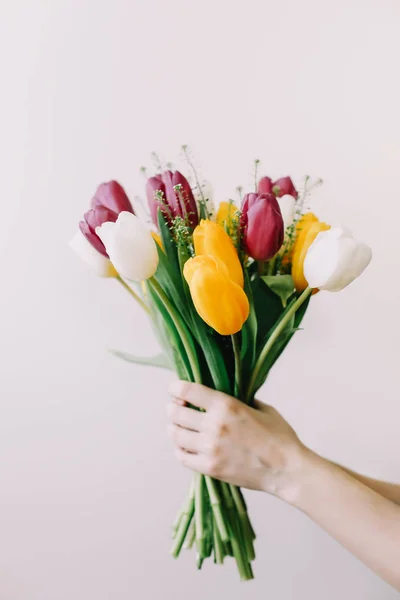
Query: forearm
[
  {"x": 391, "y": 491},
  {"x": 362, "y": 520}
]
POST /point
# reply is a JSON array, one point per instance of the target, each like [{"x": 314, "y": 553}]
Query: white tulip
[
  {"x": 100, "y": 264},
  {"x": 335, "y": 259},
  {"x": 286, "y": 204},
  {"x": 130, "y": 247}
]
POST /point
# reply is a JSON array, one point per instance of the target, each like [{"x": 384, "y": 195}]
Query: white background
[{"x": 88, "y": 484}]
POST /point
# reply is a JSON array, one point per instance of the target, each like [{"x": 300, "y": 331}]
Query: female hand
[
  {"x": 257, "y": 448},
  {"x": 250, "y": 447}
]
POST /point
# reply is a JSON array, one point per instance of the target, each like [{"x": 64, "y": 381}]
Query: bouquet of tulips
[{"x": 225, "y": 292}]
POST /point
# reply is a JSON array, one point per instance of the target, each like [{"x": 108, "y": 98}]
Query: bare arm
[
  {"x": 391, "y": 491},
  {"x": 257, "y": 448}
]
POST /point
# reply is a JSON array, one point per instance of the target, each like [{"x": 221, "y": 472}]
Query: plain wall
[{"x": 88, "y": 483}]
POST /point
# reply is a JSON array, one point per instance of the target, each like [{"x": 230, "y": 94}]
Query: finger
[
  {"x": 185, "y": 439},
  {"x": 195, "y": 394},
  {"x": 185, "y": 416},
  {"x": 194, "y": 462}
]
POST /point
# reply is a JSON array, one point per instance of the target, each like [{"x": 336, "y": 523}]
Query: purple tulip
[
  {"x": 176, "y": 198},
  {"x": 109, "y": 200},
  {"x": 262, "y": 226},
  {"x": 265, "y": 185},
  {"x": 284, "y": 186}
]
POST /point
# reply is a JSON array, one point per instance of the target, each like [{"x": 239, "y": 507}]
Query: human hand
[{"x": 250, "y": 447}]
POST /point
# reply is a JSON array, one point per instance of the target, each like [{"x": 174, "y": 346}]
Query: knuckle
[
  {"x": 221, "y": 428},
  {"x": 228, "y": 407}
]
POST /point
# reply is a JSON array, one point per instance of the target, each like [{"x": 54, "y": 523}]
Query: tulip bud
[
  {"x": 130, "y": 246},
  {"x": 227, "y": 213},
  {"x": 99, "y": 263},
  {"x": 209, "y": 238},
  {"x": 112, "y": 195},
  {"x": 186, "y": 198},
  {"x": 335, "y": 259},
  {"x": 109, "y": 200},
  {"x": 283, "y": 186},
  {"x": 265, "y": 185},
  {"x": 307, "y": 230},
  {"x": 220, "y": 302},
  {"x": 262, "y": 226},
  {"x": 172, "y": 194}
]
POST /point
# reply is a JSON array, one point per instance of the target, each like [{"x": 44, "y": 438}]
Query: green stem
[
  {"x": 216, "y": 508},
  {"x": 218, "y": 546},
  {"x": 245, "y": 526},
  {"x": 238, "y": 548},
  {"x": 272, "y": 339},
  {"x": 199, "y": 513},
  {"x": 184, "y": 525},
  {"x": 271, "y": 266},
  {"x": 191, "y": 536},
  {"x": 238, "y": 365},
  {"x": 181, "y": 328},
  {"x": 133, "y": 294},
  {"x": 260, "y": 268}
]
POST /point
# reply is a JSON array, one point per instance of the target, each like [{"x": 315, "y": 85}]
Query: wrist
[{"x": 291, "y": 480}]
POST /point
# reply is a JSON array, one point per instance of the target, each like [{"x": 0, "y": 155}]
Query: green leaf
[
  {"x": 281, "y": 285},
  {"x": 268, "y": 309},
  {"x": 249, "y": 333},
  {"x": 169, "y": 276},
  {"x": 161, "y": 360},
  {"x": 169, "y": 337},
  {"x": 168, "y": 243},
  {"x": 281, "y": 342}
]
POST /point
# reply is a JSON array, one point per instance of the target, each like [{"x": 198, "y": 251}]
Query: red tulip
[
  {"x": 262, "y": 226},
  {"x": 284, "y": 186},
  {"x": 265, "y": 185},
  {"x": 109, "y": 200},
  {"x": 177, "y": 198}
]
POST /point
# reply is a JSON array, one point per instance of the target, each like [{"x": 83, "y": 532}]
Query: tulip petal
[
  {"x": 209, "y": 238},
  {"x": 227, "y": 212},
  {"x": 130, "y": 247},
  {"x": 263, "y": 229},
  {"x": 287, "y": 204},
  {"x": 265, "y": 185},
  {"x": 335, "y": 259},
  {"x": 93, "y": 238},
  {"x": 101, "y": 265},
  {"x": 112, "y": 195},
  {"x": 283, "y": 186},
  {"x": 306, "y": 231},
  {"x": 220, "y": 302}
]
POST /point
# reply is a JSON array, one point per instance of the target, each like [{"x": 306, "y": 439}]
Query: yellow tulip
[
  {"x": 220, "y": 302},
  {"x": 227, "y": 212},
  {"x": 307, "y": 230},
  {"x": 210, "y": 239}
]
